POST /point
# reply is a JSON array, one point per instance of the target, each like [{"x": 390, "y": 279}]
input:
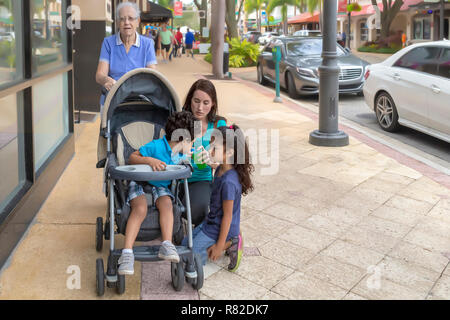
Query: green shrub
[{"x": 242, "y": 54}]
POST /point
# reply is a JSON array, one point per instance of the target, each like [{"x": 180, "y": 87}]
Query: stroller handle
[{"x": 143, "y": 172}]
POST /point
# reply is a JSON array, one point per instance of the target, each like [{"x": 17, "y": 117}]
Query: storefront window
[
  {"x": 12, "y": 168},
  {"x": 50, "y": 117},
  {"x": 364, "y": 31},
  {"x": 422, "y": 28},
  {"x": 10, "y": 41},
  {"x": 49, "y": 40}
]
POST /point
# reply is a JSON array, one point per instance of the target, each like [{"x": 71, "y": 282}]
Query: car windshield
[{"x": 308, "y": 47}]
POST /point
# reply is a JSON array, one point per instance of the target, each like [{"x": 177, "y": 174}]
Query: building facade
[{"x": 36, "y": 109}]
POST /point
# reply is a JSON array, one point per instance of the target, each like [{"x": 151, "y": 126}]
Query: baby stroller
[{"x": 135, "y": 111}]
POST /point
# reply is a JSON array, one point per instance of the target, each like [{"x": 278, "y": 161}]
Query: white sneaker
[{"x": 126, "y": 263}]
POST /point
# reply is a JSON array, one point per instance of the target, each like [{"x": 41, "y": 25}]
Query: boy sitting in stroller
[{"x": 157, "y": 154}]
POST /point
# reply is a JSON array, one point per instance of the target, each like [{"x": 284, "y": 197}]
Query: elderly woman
[{"x": 126, "y": 50}]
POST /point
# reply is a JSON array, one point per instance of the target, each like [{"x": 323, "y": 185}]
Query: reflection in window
[
  {"x": 10, "y": 44},
  {"x": 48, "y": 35},
  {"x": 364, "y": 31},
  {"x": 422, "y": 28},
  {"x": 50, "y": 116},
  {"x": 12, "y": 168},
  {"x": 420, "y": 59}
]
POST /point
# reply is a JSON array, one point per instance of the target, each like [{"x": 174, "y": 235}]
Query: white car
[
  {"x": 266, "y": 37},
  {"x": 412, "y": 88}
]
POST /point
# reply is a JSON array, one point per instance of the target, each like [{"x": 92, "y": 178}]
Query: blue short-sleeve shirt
[
  {"x": 206, "y": 173},
  {"x": 226, "y": 187},
  {"x": 160, "y": 149},
  {"x": 140, "y": 55}
]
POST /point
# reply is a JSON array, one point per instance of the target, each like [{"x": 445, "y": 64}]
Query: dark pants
[{"x": 199, "y": 196}]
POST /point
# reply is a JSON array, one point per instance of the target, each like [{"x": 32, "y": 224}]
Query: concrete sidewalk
[{"x": 356, "y": 222}]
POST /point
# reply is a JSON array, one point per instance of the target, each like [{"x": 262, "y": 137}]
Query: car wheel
[
  {"x": 261, "y": 79},
  {"x": 386, "y": 112},
  {"x": 292, "y": 90}
]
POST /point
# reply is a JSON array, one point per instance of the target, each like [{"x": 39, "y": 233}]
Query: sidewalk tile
[
  {"x": 387, "y": 290},
  {"x": 442, "y": 288},
  {"x": 270, "y": 295},
  {"x": 248, "y": 212},
  {"x": 419, "y": 194},
  {"x": 415, "y": 254},
  {"x": 397, "y": 215},
  {"x": 353, "y": 254},
  {"x": 369, "y": 239},
  {"x": 352, "y": 296},
  {"x": 324, "y": 225},
  {"x": 383, "y": 226},
  {"x": 434, "y": 226},
  {"x": 287, "y": 212},
  {"x": 375, "y": 183},
  {"x": 333, "y": 271},
  {"x": 306, "y": 238},
  {"x": 409, "y": 275},
  {"x": 267, "y": 224},
  {"x": 428, "y": 241},
  {"x": 408, "y": 204},
  {"x": 404, "y": 171},
  {"x": 253, "y": 237},
  {"x": 394, "y": 178},
  {"x": 225, "y": 285},
  {"x": 262, "y": 271},
  {"x": 300, "y": 287},
  {"x": 342, "y": 215},
  {"x": 286, "y": 253},
  {"x": 425, "y": 183},
  {"x": 441, "y": 211}
]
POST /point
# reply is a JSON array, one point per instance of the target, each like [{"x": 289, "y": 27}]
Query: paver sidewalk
[{"x": 332, "y": 223}]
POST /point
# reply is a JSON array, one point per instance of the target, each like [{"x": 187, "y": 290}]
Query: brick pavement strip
[{"x": 322, "y": 224}]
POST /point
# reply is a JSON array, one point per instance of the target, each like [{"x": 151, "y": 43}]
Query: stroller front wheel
[
  {"x": 177, "y": 273},
  {"x": 120, "y": 284},
  {"x": 198, "y": 282},
  {"x": 100, "y": 277}
]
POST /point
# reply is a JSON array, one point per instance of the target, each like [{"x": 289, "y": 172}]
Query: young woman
[{"x": 201, "y": 101}]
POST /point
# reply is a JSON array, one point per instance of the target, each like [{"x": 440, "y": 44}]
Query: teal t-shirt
[{"x": 204, "y": 174}]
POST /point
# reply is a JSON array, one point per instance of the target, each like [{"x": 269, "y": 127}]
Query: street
[{"x": 355, "y": 109}]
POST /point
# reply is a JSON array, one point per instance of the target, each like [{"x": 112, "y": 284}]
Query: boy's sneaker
[
  {"x": 235, "y": 252},
  {"x": 167, "y": 251},
  {"x": 126, "y": 263}
]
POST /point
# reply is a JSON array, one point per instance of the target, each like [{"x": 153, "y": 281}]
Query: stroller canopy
[
  {"x": 142, "y": 84},
  {"x": 145, "y": 88}
]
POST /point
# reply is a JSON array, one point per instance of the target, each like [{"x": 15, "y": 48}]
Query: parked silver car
[
  {"x": 412, "y": 88},
  {"x": 301, "y": 57},
  {"x": 266, "y": 37}
]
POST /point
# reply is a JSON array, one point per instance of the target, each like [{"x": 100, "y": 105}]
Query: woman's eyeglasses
[{"x": 124, "y": 19}]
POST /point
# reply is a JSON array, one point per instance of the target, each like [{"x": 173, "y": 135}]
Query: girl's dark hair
[
  {"x": 207, "y": 87},
  {"x": 180, "y": 120},
  {"x": 241, "y": 162}
]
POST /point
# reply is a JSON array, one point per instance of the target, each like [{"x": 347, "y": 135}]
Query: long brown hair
[
  {"x": 207, "y": 87},
  {"x": 244, "y": 169}
]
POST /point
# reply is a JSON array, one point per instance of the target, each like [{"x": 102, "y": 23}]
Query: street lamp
[{"x": 328, "y": 133}]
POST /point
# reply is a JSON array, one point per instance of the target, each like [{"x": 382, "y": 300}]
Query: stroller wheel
[
  {"x": 99, "y": 235},
  {"x": 177, "y": 272},
  {"x": 100, "y": 277},
  {"x": 120, "y": 284},
  {"x": 198, "y": 282}
]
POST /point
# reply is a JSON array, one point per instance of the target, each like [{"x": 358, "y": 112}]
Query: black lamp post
[{"x": 328, "y": 133}]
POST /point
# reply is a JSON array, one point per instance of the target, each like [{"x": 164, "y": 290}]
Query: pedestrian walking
[
  {"x": 189, "y": 41},
  {"x": 166, "y": 40},
  {"x": 179, "y": 37}
]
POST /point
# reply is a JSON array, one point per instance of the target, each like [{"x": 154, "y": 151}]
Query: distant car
[
  {"x": 307, "y": 33},
  {"x": 266, "y": 37},
  {"x": 412, "y": 88},
  {"x": 299, "y": 64},
  {"x": 252, "y": 36},
  {"x": 7, "y": 36}
]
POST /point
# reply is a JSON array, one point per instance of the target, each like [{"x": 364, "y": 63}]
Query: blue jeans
[{"x": 200, "y": 242}]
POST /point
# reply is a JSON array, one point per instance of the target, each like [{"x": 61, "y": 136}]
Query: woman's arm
[
  {"x": 101, "y": 76},
  {"x": 155, "y": 164},
  {"x": 215, "y": 251}
]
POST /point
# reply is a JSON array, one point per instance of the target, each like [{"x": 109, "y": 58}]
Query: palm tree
[
  {"x": 252, "y": 5},
  {"x": 284, "y": 6},
  {"x": 166, "y": 3}
]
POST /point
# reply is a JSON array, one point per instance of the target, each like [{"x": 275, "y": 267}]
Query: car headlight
[{"x": 305, "y": 72}]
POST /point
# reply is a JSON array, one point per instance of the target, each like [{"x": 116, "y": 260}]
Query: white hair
[{"x": 128, "y": 4}]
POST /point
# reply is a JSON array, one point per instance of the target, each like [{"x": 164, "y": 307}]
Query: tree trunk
[
  {"x": 388, "y": 15},
  {"x": 217, "y": 31},
  {"x": 230, "y": 19}
]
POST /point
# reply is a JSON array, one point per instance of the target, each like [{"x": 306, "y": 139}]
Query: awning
[
  {"x": 156, "y": 13},
  {"x": 305, "y": 17},
  {"x": 369, "y": 10}
]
